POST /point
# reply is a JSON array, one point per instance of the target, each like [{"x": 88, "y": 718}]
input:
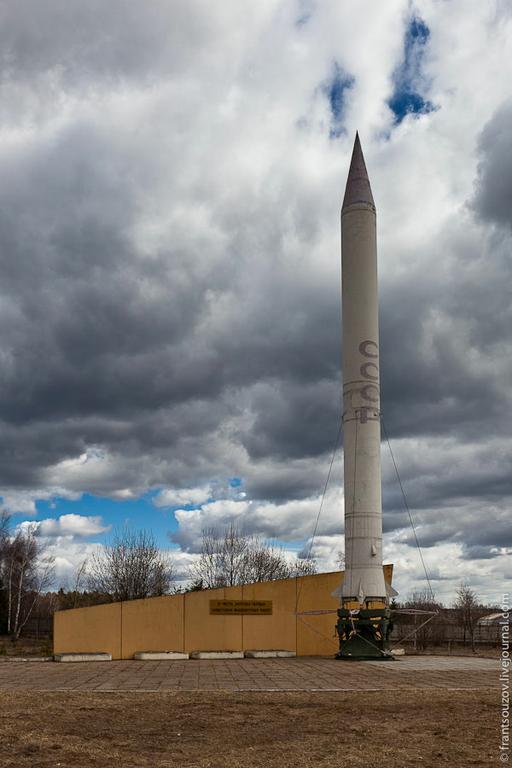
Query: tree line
[{"x": 130, "y": 566}]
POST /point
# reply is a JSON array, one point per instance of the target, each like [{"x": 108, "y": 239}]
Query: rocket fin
[{"x": 390, "y": 591}]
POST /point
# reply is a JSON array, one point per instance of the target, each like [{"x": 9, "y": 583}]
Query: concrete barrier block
[
  {"x": 217, "y": 655},
  {"x": 160, "y": 656},
  {"x": 278, "y": 654},
  {"x": 71, "y": 657}
]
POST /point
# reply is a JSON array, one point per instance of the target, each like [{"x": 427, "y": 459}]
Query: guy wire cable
[
  {"x": 408, "y": 511},
  {"x": 335, "y": 450}
]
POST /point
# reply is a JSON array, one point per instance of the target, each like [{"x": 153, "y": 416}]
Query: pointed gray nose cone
[{"x": 358, "y": 190}]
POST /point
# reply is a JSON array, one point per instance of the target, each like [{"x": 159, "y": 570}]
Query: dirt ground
[
  {"x": 250, "y": 730},
  {"x": 25, "y": 647}
]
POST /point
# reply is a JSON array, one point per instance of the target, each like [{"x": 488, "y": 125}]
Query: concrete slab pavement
[{"x": 299, "y": 674}]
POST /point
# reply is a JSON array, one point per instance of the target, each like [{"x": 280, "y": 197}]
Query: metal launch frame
[{"x": 364, "y": 634}]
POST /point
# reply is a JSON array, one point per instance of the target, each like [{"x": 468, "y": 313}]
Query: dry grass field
[
  {"x": 399, "y": 729},
  {"x": 24, "y": 647}
]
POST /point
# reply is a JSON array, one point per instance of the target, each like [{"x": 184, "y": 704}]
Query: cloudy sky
[{"x": 171, "y": 174}]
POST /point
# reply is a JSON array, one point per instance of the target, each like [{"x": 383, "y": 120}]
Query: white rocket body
[{"x": 364, "y": 578}]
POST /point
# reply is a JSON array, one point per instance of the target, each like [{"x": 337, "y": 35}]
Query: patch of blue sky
[
  {"x": 417, "y": 31},
  {"x": 335, "y": 89},
  {"x": 406, "y": 98},
  {"x": 404, "y": 103},
  {"x": 135, "y": 513},
  {"x": 295, "y": 545}
]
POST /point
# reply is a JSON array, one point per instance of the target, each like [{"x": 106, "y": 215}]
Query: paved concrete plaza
[{"x": 302, "y": 674}]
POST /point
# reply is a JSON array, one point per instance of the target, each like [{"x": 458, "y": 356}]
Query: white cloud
[
  {"x": 72, "y": 525},
  {"x": 16, "y": 502},
  {"x": 287, "y": 521},
  {"x": 173, "y": 497}
]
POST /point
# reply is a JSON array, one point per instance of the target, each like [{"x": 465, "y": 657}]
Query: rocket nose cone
[{"x": 358, "y": 189}]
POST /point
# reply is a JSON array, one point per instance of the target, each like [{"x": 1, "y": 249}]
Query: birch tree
[{"x": 26, "y": 571}]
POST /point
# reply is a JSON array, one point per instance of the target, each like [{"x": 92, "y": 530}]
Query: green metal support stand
[{"x": 364, "y": 635}]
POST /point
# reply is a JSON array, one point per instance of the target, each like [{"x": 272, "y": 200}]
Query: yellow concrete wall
[
  {"x": 219, "y": 633},
  {"x": 271, "y": 632},
  {"x": 183, "y": 622},
  {"x": 155, "y": 624},
  {"x": 315, "y": 634},
  {"x": 88, "y": 630}
]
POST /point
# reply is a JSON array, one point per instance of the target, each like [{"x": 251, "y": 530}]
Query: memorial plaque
[{"x": 241, "y": 607}]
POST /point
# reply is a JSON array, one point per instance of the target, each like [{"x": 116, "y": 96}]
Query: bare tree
[
  {"x": 230, "y": 558},
  {"x": 130, "y": 567},
  {"x": 26, "y": 571},
  {"x": 79, "y": 580},
  {"x": 4, "y": 541},
  {"x": 264, "y": 562},
  {"x": 466, "y": 605},
  {"x": 4, "y": 526},
  {"x": 305, "y": 566},
  {"x": 222, "y": 560},
  {"x": 75, "y": 595},
  {"x": 231, "y": 550}
]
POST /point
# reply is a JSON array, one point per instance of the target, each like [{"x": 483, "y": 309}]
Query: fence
[
  {"x": 441, "y": 630},
  {"x": 38, "y": 628}
]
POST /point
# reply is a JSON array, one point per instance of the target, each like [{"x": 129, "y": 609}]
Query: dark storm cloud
[
  {"x": 81, "y": 43},
  {"x": 294, "y": 420},
  {"x": 443, "y": 340},
  {"x": 467, "y": 529},
  {"x": 106, "y": 345},
  {"x": 170, "y": 295},
  {"x": 278, "y": 482},
  {"x": 493, "y": 199},
  {"x": 90, "y": 322},
  {"x": 446, "y": 368},
  {"x": 97, "y": 336}
]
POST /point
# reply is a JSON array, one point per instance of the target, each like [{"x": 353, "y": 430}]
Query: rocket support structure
[{"x": 364, "y": 618}]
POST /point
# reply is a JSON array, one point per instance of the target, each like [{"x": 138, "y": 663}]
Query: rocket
[{"x": 363, "y": 584}]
